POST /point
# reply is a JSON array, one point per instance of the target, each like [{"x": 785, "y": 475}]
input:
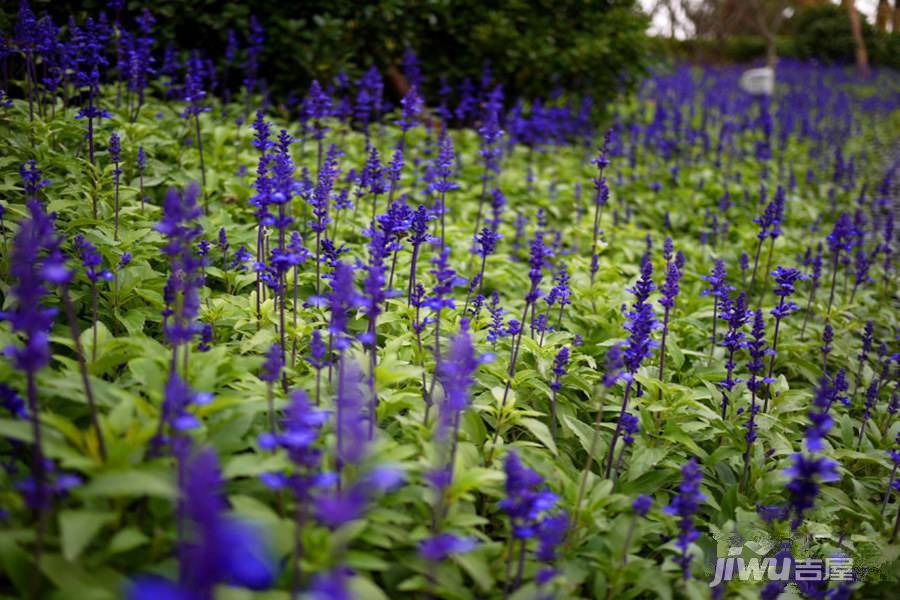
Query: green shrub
[{"x": 592, "y": 45}]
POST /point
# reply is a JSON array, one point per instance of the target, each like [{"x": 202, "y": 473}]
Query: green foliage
[
  {"x": 596, "y": 46},
  {"x": 121, "y": 520}
]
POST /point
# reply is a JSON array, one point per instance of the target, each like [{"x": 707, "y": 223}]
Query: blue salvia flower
[
  {"x": 456, "y": 374},
  {"x": 141, "y": 165},
  {"x": 527, "y": 504},
  {"x": 332, "y": 585},
  {"x": 806, "y": 473},
  {"x": 240, "y": 258},
  {"x": 32, "y": 179},
  {"x": 395, "y": 224},
  {"x": 178, "y": 398},
  {"x": 744, "y": 262},
  {"x": 840, "y": 240},
  {"x": 262, "y": 132},
  {"x": 394, "y": 172},
  {"x": 439, "y": 547},
  {"x": 222, "y": 548},
  {"x": 319, "y": 358},
  {"x": 316, "y": 108},
  {"x": 371, "y": 180},
  {"x": 862, "y": 357},
  {"x": 559, "y": 367},
  {"x": 298, "y": 436},
  {"x": 785, "y": 281},
  {"x": 496, "y": 329},
  {"x": 685, "y": 505},
  {"x": 551, "y": 532},
  {"x": 560, "y": 362},
  {"x": 641, "y": 320},
  {"x": 893, "y": 482},
  {"x": 194, "y": 94},
  {"x": 418, "y": 235},
  {"x": 342, "y": 298},
  {"x": 411, "y": 107},
  {"x": 719, "y": 289},
  {"x": 375, "y": 295},
  {"x": 349, "y": 416},
  {"x": 669, "y": 291},
  {"x": 757, "y": 383},
  {"x": 736, "y": 315},
  {"x": 91, "y": 260},
  {"x": 90, "y": 59},
  {"x": 526, "y": 498},
  {"x": 769, "y": 226},
  {"x": 115, "y": 154},
  {"x": 861, "y": 264},
  {"x": 36, "y": 261},
  {"x": 820, "y": 421},
  {"x": 668, "y": 249},
  {"x": 498, "y": 202},
  {"x": 440, "y": 298},
  {"x": 827, "y": 337},
  {"x": 442, "y": 184},
  {"x": 255, "y": 45},
  {"x": 206, "y": 338},
  {"x": 348, "y": 503},
  {"x": 178, "y": 226},
  {"x": 370, "y": 91},
  {"x": 641, "y": 505},
  {"x": 141, "y": 59},
  {"x": 411, "y": 68},
  {"x": 561, "y": 293},
  {"x": 320, "y": 201},
  {"x": 271, "y": 368},
  {"x": 640, "y": 323},
  {"x": 486, "y": 244},
  {"x": 815, "y": 276}
]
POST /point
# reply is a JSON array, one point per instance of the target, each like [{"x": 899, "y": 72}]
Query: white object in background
[{"x": 759, "y": 82}]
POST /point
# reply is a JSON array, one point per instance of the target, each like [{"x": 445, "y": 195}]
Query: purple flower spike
[{"x": 684, "y": 505}]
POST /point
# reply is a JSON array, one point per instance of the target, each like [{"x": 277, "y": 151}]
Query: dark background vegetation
[
  {"x": 533, "y": 47},
  {"x": 597, "y": 46}
]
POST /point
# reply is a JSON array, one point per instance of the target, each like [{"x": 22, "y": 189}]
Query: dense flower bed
[{"x": 367, "y": 355}]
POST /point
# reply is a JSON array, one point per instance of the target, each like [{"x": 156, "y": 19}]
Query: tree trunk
[
  {"x": 883, "y": 15},
  {"x": 862, "y": 57},
  {"x": 895, "y": 26}
]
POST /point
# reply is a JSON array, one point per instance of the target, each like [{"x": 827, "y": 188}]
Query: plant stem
[
  {"x": 82, "y": 367},
  {"x": 202, "y": 165},
  {"x": 834, "y": 269},
  {"x": 618, "y": 430},
  {"x": 116, "y": 226},
  {"x": 772, "y": 359},
  {"x": 40, "y": 477},
  {"x": 582, "y": 487}
]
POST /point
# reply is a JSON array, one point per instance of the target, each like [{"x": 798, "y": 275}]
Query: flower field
[{"x": 462, "y": 346}]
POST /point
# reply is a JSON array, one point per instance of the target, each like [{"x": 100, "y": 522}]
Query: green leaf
[
  {"x": 540, "y": 430},
  {"x": 476, "y": 565},
  {"x": 130, "y": 482},
  {"x": 643, "y": 459},
  {"x": 252, "y": 465},
  {"x": 362, "y": 587},
  {"x": 126, "y": 539},
  {"x": 78, "y": 528}
]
